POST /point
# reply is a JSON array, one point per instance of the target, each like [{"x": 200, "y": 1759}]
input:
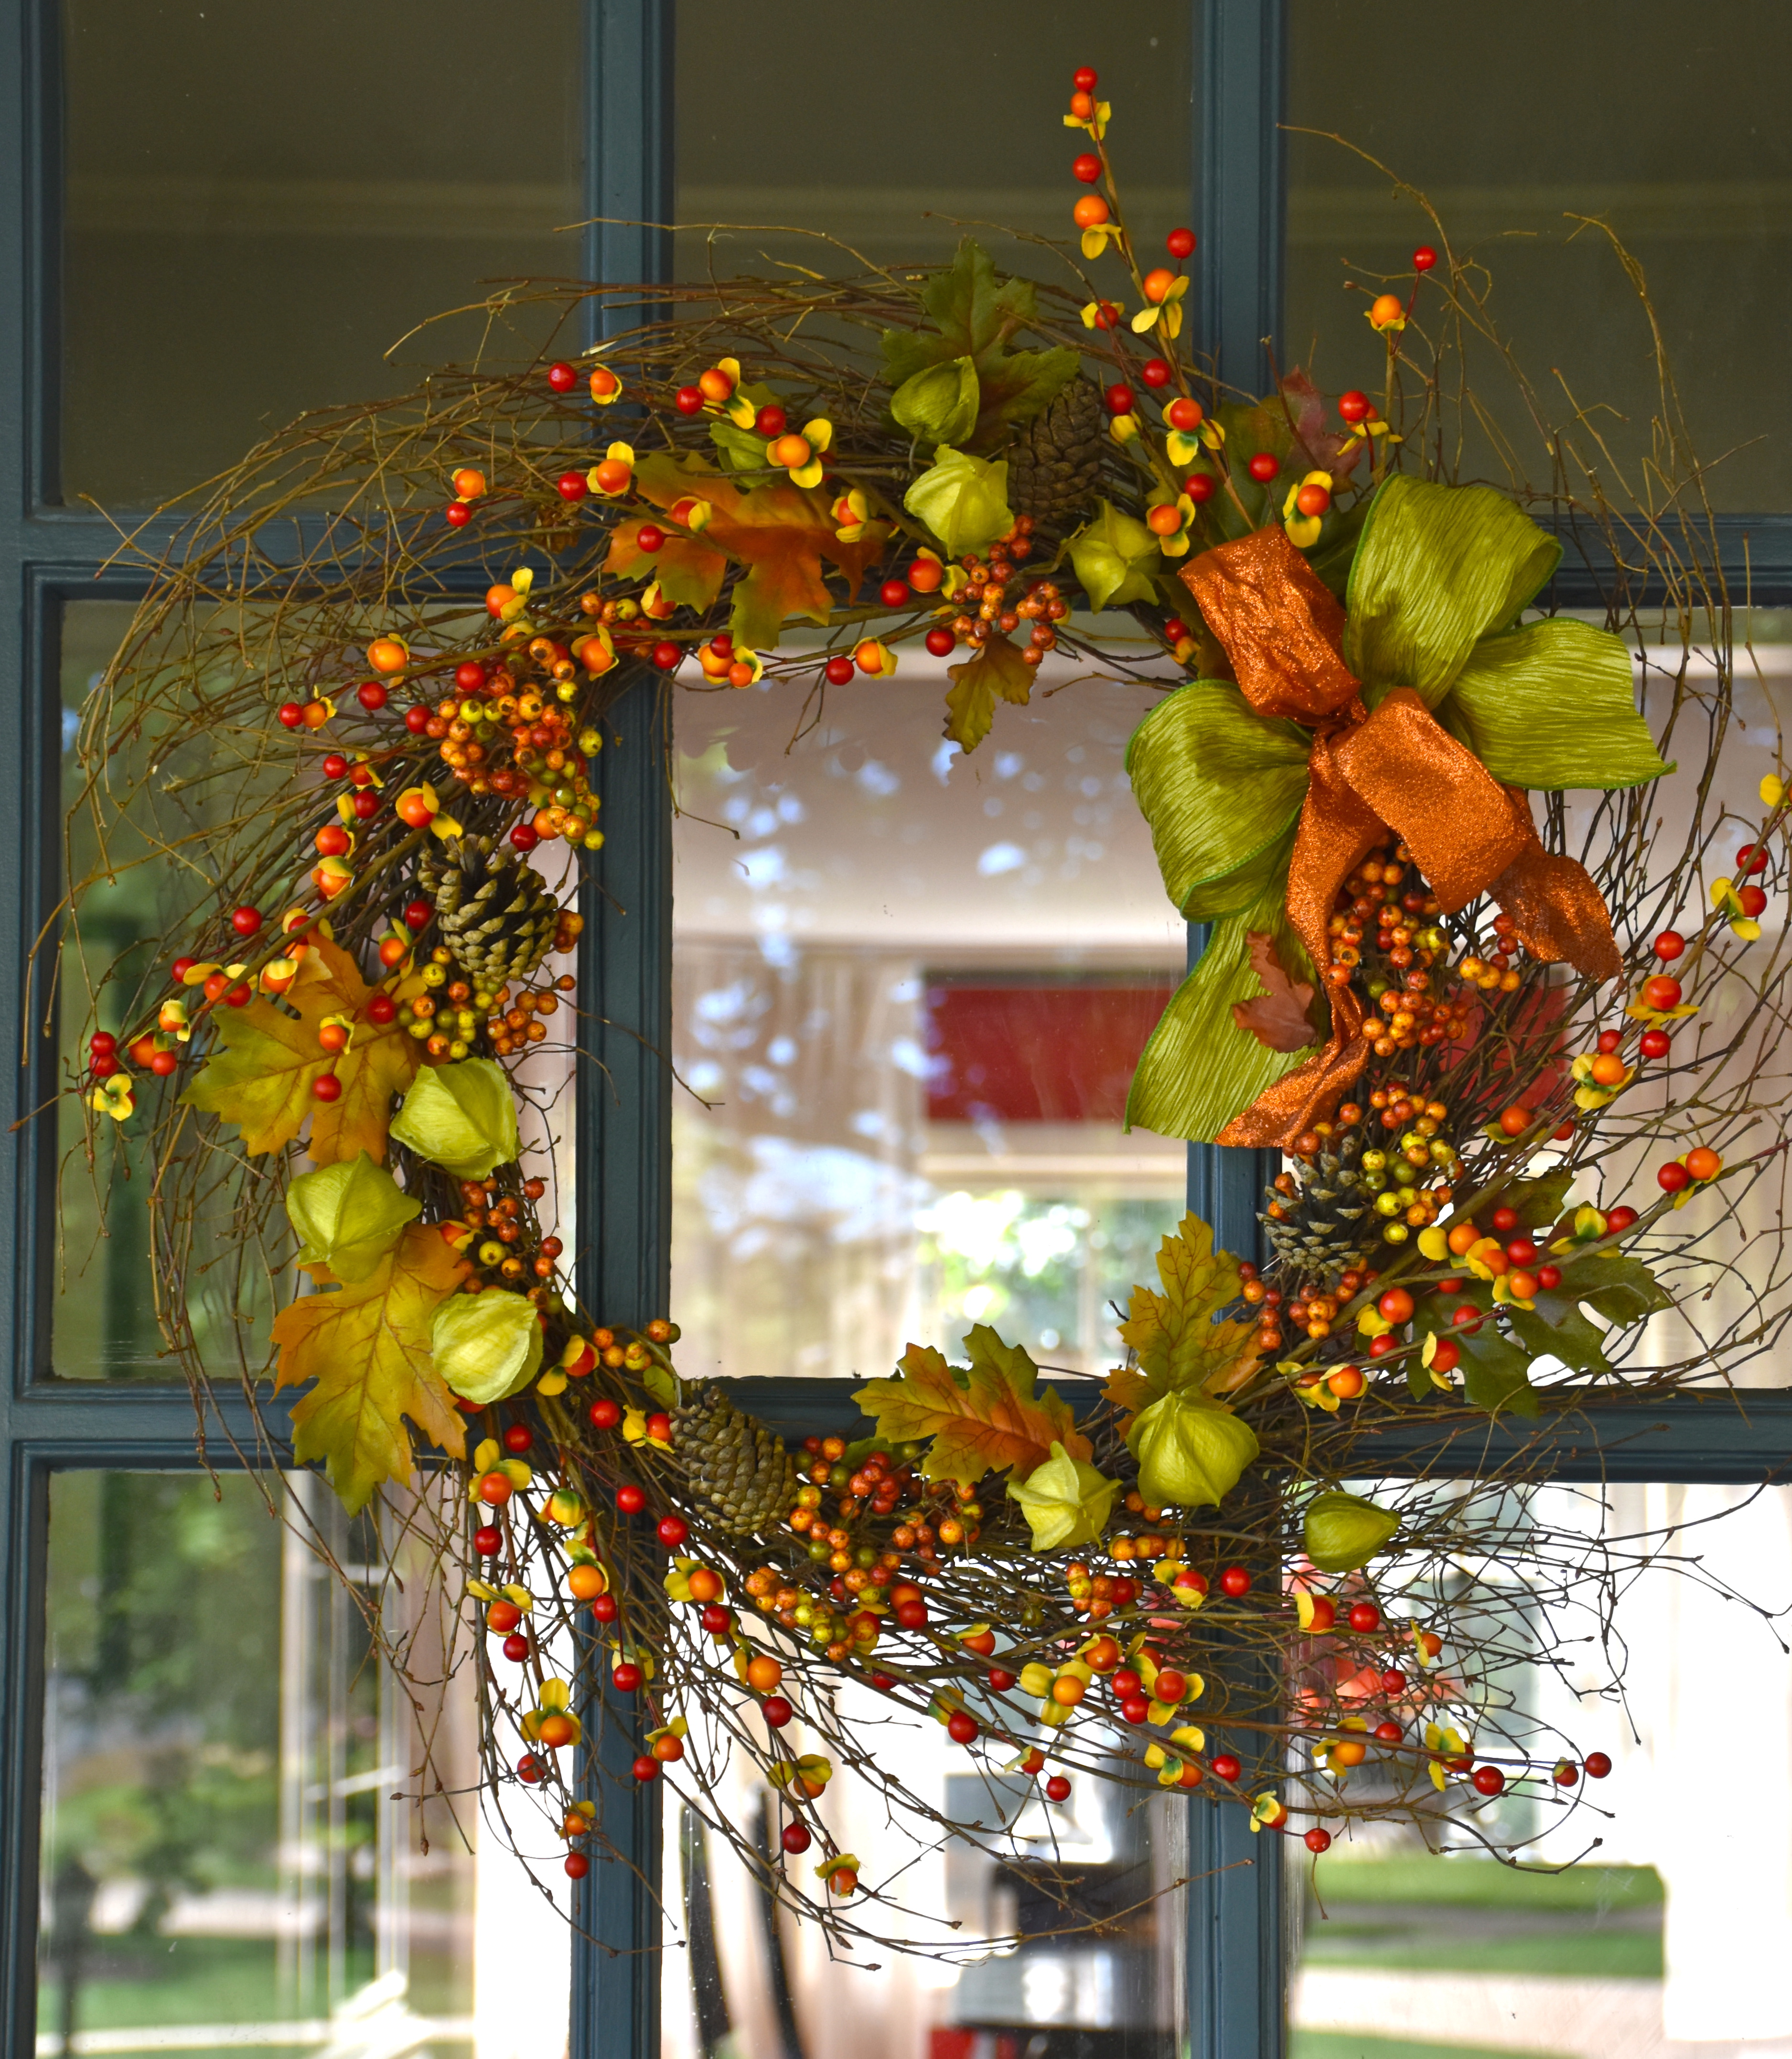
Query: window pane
[
  {"x": 982, "y": 145},
  {"x": 260, "y": 203},
  {"x": 1647, "y": 1913},
  {"x": 1669, "y": 124},
  {"x": 909, "y": 989},
  {"x": 233, "y": 1840}
]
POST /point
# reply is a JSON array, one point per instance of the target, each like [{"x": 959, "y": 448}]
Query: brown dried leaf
[{"x": 1278, "y": 1017}]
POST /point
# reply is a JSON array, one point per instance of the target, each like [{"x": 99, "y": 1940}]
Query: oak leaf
[
  {"x": 971, "y": 702},
  {"x": 981, "y": 1418},
  {"x": 1177, "y": 1343},
  {"x": 261, "y": 1077},
  {"x": 1277, "y": 1018},
  {"x": 367, "y": 1346}
]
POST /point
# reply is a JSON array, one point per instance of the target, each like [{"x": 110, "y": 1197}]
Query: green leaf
[
  {"x": 487, "y": 1346},
  {"x": 1177, "y": 1342},
  {"x": 1496, "y": 1375},
  {"x": 1621, "y": 1289},
  {"x": 998, "y": 669},
  {"x": 1552, "y": 705},
  {"x": 1556, "y": 1328},
  {"x": 1191, "y": 1453},
  {"x": 1342, "y": 1532},
  {"x": 1436, "y": 567},
  {"x": 1539, "y": 1202},
  {"x": 1220, "y": 786},
  {"x": 661, "y": 1385},
  {"x": 1199, "y": 1069},
  {"x": 349, "y": 1216},
  {"x": 938, "y": 405},
  {"x": 1115, "y": 557},
  {"x": 1066, "y": 1501},
  {"x": 963, "y": 500},
  {"x": 972, "y": 316},
  {"x": 743, "y": 448},
  {"x": 462, "y": 1118}
]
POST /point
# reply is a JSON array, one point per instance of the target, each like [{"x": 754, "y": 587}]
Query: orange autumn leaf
[
  {"x": 261, "y": 1078},
  {"x": 1277, "y": 1018},
  {"x": 984, "y": 1418},
  {"x": 781, "y": 533},
  {"x": 367, "y": 1347},
  {"x": 689, "y": 572}
]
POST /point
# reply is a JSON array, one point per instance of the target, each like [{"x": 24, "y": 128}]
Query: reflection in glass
[
  {"x": 1668, "y": 128},
  {"x": 260, "y": 204}
]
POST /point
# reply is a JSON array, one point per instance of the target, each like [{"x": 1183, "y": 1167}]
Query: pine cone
[
  {"x": 734, "y": 1467},
  {"x": 1054, "y": 465},
  {"x": 1330, "y": 1226},
  {"x": 497, "y": 915}
]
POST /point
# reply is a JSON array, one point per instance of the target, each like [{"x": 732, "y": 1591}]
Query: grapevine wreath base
[{"x": 1480, "y": 968}]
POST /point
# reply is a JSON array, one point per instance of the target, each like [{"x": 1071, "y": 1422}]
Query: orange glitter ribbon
[{"x": 1394, "y": 768}]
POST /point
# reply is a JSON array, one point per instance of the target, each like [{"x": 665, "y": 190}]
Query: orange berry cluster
[
  {"x": 1384, "y": 933},
  {"x": 997, "y": 609},
  {"x": 504, "y": 1249},
  {"x": 547, "y": 756},
  {"x": 510, "y": 1026}
]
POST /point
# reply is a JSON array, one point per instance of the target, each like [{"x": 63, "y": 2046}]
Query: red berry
[
  {"x": 1235, "y": 1581},
  {"x": 1380, "y": 1347},
  {"x": 895, "y": 593},
  {"x": 1522, "y": 1251},
  {"x": 1354, "y": 406},
  {"x": 1317, "y": 1840},
  {"x": 419, "y": 915},
  {"x": 911, "y": 1615},
  {"x": 716, "y": 1619},
  {"x": 838, "y": 671},
  {"x": 1181, "y": 243},
  {"x": 625, "y": 1677},
  {"x": 1655, "y": 1043},
  {"x": 1121, "y": 399},
  {"x": 1363, "y": 1617},
  {"x": 179, "y": 970},
  {"x": 524, "y": 838},
  {"x": 503, "y": 1617},
  {"x": 516, "y": 1648},
  {"x": 1135, "y": 1709},
  {"x": 1155, "y": 372},
  {"x": 646, "y": 1768},
  {"x": 1393, "y": 1682},
  {"x": 606, "y": 1607},
  {"x": 1175, "y": 629},
  {"x": 649, "y": 538},
  {"x": 335, "y": 766},
  {"x": 577, "y": 1865},
  {"x": 382, "y": 1009},
  {"x": 1001, "y": 1679},
  {"x": 289, "y": 714},
  {"x": 776, "y": 1710},
  {"x": 1058, "y": 1788},
  {"x": 671, "y": 1531},
  {"x": 940, "y": 641},
  {"x": 104, "y": 1065},
  {"x": 246, "y": 921},
  {"x": 1672, "y": 1178},
  {"x": 1619, "y": 1219},
  {"x": 1467, "y": 1317},
  {"x": 689, "y": 400},
  {"x": 469, "y": 675},
  {"x": 660, "y": 1427},
  {"x": 102, "y": 1044},
  {"x": 630, "y": 1499},
  {"x": 1661, "y": 992},
  {"x": 366, "y": 806},
  {"x": 457, "y": 514},
  {"x": 1446, "y": 1354},
  {"x": 771, "y": 421},
  {"x": 1225, "y": 1767},
  {"x": 1505, "y": 1221},
  {"x": 1388, "y": 1732},
  {"x": 326, "y": 1086},
  {"x": 794, "y": 1838},
  {"x": 1396, "y": 1305},
  {"x": 1751, "y": 858},
  {"x": 570, "y": 486},
  {"x": 1549, "y": 1276},
  {"x": 1669, "y": 945},
  {"x": 1753, "y": 901},
  {"x": 1265, "y": 466},
  {"x": 1609, "y": 1041},
  {"x": 562, "y": 378},
  {"x": 883, "y": 1681},
  {"x": 1083, "y": 79},
  {"x": 963, "y": 1729},
  {"x": 605, "y": 1414},
  {"x": 1087, "y": 168},
  {"x": 1200, "y": 486},
  {"x": 372, "y": 695},
  {"x": 1125, "y": 1683},
  {"x": 488, "y": 1540},
  {"x": 417, "y": 719},
  {"x": 1489, "y": 1780},
  {"x": 1598, "y": 1766},
  {"x": 1424, "y": 258},
  {"x": 529, "y": 1768},
  {"x": 518, "y": 1437},
  {"x": 666, "y": 656},
  {"x": 1566, "y": 1773}
]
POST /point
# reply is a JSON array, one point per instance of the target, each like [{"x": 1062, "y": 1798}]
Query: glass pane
[
  {"x": 244, "y": 1841},
  {"x": 1646, "y": 1914},
  {"x": 985, "y": 149},
  {"x": 1521, "y": 116},
  {"x": 908, "y": 989},
  {"x": 261, "y": 204}
]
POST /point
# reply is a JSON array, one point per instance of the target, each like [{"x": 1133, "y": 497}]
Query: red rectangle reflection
[{"x": 1020, "y": 1052}]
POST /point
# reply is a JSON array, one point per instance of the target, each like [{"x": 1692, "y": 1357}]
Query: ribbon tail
[{"x": 1560, "y": 914}]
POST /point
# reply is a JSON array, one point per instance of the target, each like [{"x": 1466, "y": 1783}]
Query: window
[{"x": 215, "y": 224}]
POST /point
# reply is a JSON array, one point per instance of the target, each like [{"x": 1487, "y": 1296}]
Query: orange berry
[
  {"x": 1388, "y": 309},
  {"x": 1516, "y": 1120},
  {"x": 1184, "y": 414},
  {"x": 468, "y": 483},
  {"x": 316, "y": 714},
  {"x": 1347, "y": 1382},
  {"x": 842, "y": 1881},
  {"x": 604, "y": 383},
  {"x": 926, "y": 576},
  {"x": 1082, "y": 106},
  {"x": 387, "y": 653},
  {"x": 740, "y": 675},
  {"x": 1703, "y": 1163},
  {"x": 705, "y": 1584},
  {"x": 394, "y": 951},
  {"x": 498, "y": 598},
  {"x": 1164, "y": 519},
  {"x": 1349, "y": 1755},
  {"x": 585, "y": 1582},
  {"x": 612, "y": 475},
  {"x": 790, "y": 451},
  {"x": 1608, "y": 1069},
  {"x": 333, "y": 1037},
  {"x": 1313, "y": 500},
  {"x": 1157, "y": 284},
  {"x": 715, "y": 384},
  {"x": 667, "y": 1750},
  {"x": 1462, "y": 1235},
  {"x": 1069, "y": 1689},
  {"x": 556, "y": 1729},
  {"x": 1090, "y": 212},
  {"x": 763, "y": 1674}
]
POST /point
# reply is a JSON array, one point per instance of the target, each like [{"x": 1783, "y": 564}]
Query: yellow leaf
[
  {"x": 982, "y": 1419},
  {"x": 1174, "y": 1334},
  {"x": 262, "y": 1079},
  {"x": 367, "y": 1348}
]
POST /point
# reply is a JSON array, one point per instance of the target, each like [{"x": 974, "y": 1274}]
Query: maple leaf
[
  {"x": 981, "y": 1418},
  {"x": 690, "y": 573},
  {"x": 261, "y": 1080},
  {"x": 367, "y": 1346},
  {"x": 971, "y": 702},
  {"x": 1177, "y": 1342},
  {"x": 1278, "y": 1016},
  {"x": 973, "y": 317},
  {"x": 781, "y": 533}
]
